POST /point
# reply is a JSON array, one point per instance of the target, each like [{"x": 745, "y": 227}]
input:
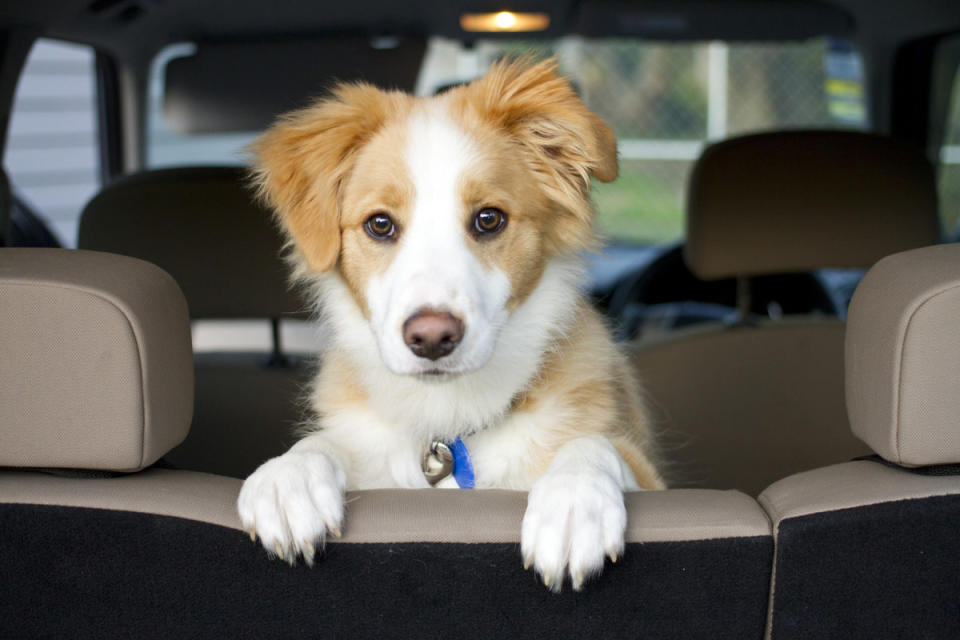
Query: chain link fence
[
  {"x": 661, "y": 97},
  {"x": 665, "y": 101}
]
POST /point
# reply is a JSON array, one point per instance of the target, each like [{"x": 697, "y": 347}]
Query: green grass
[{"x": 644, "y": 204}]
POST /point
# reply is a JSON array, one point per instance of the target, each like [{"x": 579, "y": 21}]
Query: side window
[
  {"x": 949, "y": 174},
  {"x": 51, "y": 155},
  {"x": 168, "y": 147}
]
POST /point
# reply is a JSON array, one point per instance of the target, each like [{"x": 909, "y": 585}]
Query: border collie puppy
[{"x": 439, "y": 237}]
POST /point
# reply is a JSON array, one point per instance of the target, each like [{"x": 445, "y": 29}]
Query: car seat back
[
  {"x": 204, "y": 227},
  {"x": 81, "y": 543},
  {"x": 871, "y": 545},
  {"x": 746, "y": 402}
]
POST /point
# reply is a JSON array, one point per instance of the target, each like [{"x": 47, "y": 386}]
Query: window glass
[
  {"x": 949, "y": 174},
  {"x": 665, "y": 101},
  {"x": 169, "y": 148},
  {"x": 52, "y": 155}
]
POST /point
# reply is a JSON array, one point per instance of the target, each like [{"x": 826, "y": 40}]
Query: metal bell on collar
[{"x": 437, "y": 462}]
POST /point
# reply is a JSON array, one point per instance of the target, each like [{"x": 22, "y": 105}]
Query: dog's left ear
[{"x": 563, "y": 140}]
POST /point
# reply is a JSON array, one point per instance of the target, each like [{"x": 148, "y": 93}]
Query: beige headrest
[
  {"x": 796, "y": 201},
  {"x": 96, "y": 369},
  {"x": 903, "y": 357},
  {"x": 202, "y": 226}
]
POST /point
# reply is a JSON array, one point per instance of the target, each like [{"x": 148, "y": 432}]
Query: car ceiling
[{"x": 126, "y": 25}]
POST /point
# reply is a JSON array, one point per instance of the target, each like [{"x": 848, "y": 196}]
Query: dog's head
[{"x": 439, "y": 214}]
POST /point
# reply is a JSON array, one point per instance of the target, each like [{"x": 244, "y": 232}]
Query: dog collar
[{"x": 443, "y": 459}]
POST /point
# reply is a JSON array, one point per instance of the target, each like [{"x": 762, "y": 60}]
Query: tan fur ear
[
  {"x": 607, "y": 165},
  {"x": 303, "y": 160},
  {"x": 565, "y": 142}
]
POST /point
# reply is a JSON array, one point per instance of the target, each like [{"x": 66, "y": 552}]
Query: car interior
[{"x": 780, "y": 264}]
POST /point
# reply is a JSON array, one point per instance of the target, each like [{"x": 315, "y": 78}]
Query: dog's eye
[
  {"x": 380, "y": 226},
  {"x": 489, "y": 221}
]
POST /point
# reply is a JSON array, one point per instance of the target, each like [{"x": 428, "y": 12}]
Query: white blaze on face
[{"x": 434, "y": 267}]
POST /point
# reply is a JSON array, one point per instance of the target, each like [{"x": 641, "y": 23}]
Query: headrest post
[
  {"x": 6, "y": 205},
  {"x": 744, "y": 299},
  {"x": 277, "y": 357}
]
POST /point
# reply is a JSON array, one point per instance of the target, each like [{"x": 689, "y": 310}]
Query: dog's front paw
[
  {"x": 573, "y": 521},
  {"x": 292, "y": 502}
]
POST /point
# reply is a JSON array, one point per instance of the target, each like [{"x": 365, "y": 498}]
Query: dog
[{"x": 439, "y": 237}]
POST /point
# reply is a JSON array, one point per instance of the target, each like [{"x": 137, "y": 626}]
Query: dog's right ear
[{"x": 302, "y": 161}]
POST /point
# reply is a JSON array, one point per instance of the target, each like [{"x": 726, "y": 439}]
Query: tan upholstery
[
  {"x": 902, "y": 365},
  {"x": 903, "y": 357},
  {"x": 182, "y": 494},
  {"x": 96, "y": 361},
  {"x": 839, "y": 487},
  {"x": 202, "y": 226},
  {"x": 393, "y": 515},
  {"x": 796, "y": 201},
  {"x": 744, "y": 406},
  {"x": 852, "y": 484},
  {"x": 740, "y": 408}
]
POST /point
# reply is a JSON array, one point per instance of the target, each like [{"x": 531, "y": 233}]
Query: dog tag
[{"x": 437, "y": 462}]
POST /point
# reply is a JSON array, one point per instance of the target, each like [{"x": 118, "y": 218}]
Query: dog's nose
[{"x": 432, "y": 334}]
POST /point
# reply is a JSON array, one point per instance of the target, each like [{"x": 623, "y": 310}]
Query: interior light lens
[{"x": 504, "y": 21}]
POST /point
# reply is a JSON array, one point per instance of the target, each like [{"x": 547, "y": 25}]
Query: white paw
[
  {"x": 573, "y": 521},
  {"x": 292, "y": 502}
]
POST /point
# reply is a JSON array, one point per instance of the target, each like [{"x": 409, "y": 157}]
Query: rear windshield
[{"x": 665, "y": 101}]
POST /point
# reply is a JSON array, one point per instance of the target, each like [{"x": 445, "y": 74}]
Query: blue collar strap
[{"x": 462, "y": 466}]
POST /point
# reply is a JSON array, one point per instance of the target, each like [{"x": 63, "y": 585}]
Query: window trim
[{"x": 109, "y": 117}]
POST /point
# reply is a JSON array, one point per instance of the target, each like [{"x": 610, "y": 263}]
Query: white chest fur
[{"x": 378, "y": 455}]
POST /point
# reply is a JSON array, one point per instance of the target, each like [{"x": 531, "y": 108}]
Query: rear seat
[
  {"x": 744, "y": 404},
  {"x": 160, "y": 553},
  {"x": 201, "y": 225},
  {"x": 871, "y": 546}
]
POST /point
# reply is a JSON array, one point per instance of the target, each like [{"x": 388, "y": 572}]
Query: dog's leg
[
  {"x": 292, "y": 502},
  {"x": 575, "y": 513}
]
